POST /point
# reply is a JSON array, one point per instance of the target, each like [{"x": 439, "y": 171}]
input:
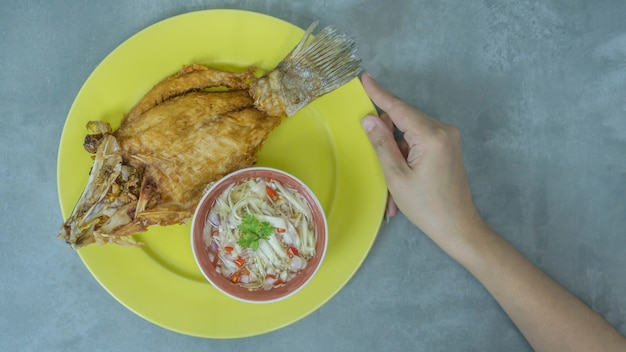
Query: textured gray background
[{"x": 537, "y": 89}]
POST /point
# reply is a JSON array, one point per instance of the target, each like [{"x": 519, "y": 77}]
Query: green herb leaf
[
  {"x": 248, "y": 240},
  {"x": 253, "y": 230}
]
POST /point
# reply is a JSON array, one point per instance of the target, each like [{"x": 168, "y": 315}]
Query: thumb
[{"x": 385, "y": 146}]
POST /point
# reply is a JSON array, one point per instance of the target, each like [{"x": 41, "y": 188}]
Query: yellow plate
[{"x": 323, "y": 145}]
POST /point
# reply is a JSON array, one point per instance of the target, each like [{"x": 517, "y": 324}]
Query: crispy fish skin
[
  {"x": 178, "y": 147},
  {"x": 179, "y": 138},
  {"x": 189, "y": 141},
  {"x": 190, "y": 77}
]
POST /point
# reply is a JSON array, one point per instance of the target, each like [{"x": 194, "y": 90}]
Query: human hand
[
  {"x": 426, "y": 179},
  {"x": 424, "y": 170}
]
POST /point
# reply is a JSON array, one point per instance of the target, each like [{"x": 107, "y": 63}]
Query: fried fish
[{"x": 181, "y": 137}]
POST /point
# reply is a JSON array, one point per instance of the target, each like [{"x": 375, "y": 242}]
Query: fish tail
[{"x": 313, "y": 68}]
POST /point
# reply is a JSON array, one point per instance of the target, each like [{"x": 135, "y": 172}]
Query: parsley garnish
[{"x": 253, "y": 230}]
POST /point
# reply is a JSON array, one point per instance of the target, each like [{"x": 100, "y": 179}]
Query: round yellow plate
[{"x": 323, "y": 145}]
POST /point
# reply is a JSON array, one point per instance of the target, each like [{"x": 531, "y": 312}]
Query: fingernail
[{"x": 368, "y": 123}]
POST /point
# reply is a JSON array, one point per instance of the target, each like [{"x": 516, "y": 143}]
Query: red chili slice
[
  {"x": 271, "y": 193},
  {"x": 292, "y": 251},
  {"x": 240, "y": 261}
]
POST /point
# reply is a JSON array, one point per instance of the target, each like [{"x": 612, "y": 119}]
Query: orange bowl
[{"x": 201, "y": 251}]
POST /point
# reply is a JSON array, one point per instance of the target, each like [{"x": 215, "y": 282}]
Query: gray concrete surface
[{"x": 537, "y": 89}]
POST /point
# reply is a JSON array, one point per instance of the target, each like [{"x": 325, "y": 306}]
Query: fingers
[
  {"x": 387, "y": 151},
  {"x": 404, "y": 116},
  {"x": 392, "y": 208},
  {"x": 404, "y": 147},
  {"x": 387, "y": 120},
  {"x": 383, "y": 98},
  {"x": 402, "y": 143}
]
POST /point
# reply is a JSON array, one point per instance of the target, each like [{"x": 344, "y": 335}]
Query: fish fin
[{"x": 313, "y": 68}]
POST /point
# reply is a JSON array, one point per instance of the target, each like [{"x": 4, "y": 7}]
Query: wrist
[{"x": 464, "y": 237}]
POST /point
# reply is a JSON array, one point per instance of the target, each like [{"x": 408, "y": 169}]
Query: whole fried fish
[{"x": 180, "y": 138}]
